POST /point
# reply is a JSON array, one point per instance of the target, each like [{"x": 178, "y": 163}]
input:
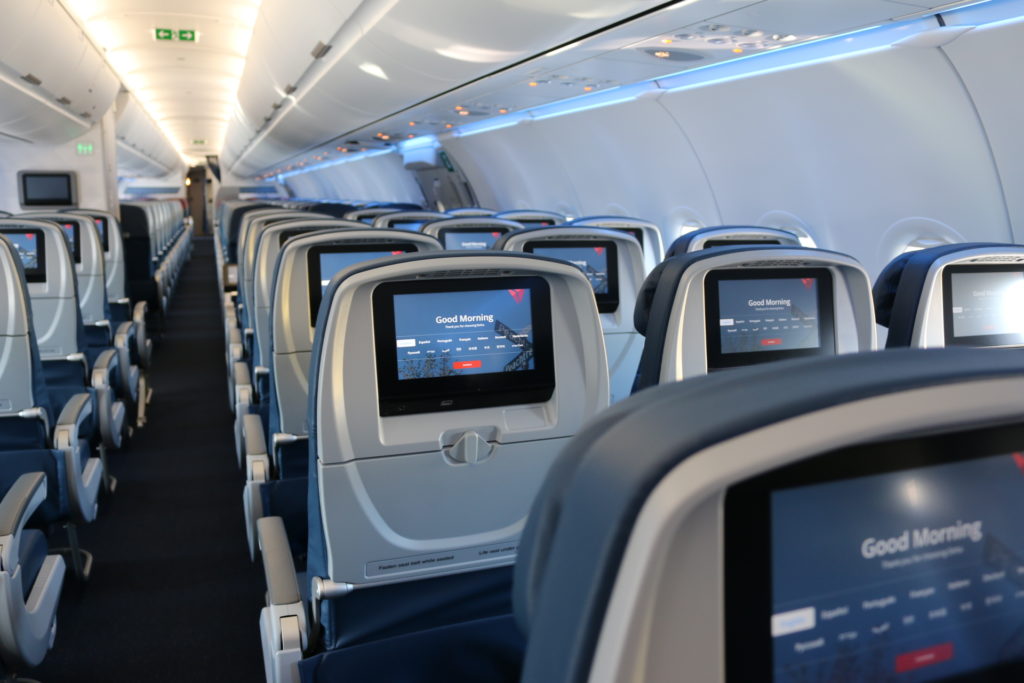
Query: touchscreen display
[
  {"x": 462, "y": 343},
  {"x": 739, "y": 243},
  {"x": 984, "y": 306},
  {"x": 29, "y": 245},
  {"x": 72, "y": 237},
  {"x": 101, "y": 227},
  {"x": 597, "y": 259},
  {"x": 325, "y": 261},
  {"x": 925, "y": 582},
  {"x": 540, "y": 223},
  {"x": 471, "y": 239},
  {"x": 749, "y": 316},
  {"x": 411, "y": 226}
]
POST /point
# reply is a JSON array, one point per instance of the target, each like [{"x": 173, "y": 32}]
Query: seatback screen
[
  {"x": 74, "y": 239},
  {"x": 539, "y": 223},
  {"x": 47, "y": 189},
  {"x": 636, "y": 233},
  {"x": 739, "y": 243},
  {"x": 30, "y": 246},
  {"x": 325, "y": 261},
  {"x": 471, "y": 238},
  {"x": 901, "y": 561},
  {"x": 411, "y": 226},
  {"x": 101, "y": 227},
  {"x": 984, "y": 305},
  {"x": 759, "y": 315},
  {"x": 598, "y": 259},
  {"x": 462, "y": 344}
]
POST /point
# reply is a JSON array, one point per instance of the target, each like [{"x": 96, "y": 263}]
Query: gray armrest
[
  {"x": 17, "y": 505},
  {"x": 105, "y": 364},
  {"x": 278, "y": 567},
  {"x": 110, "y": 411},
  {"x": 235, "y": 347},
  {"x": 255, "y": 441},
  {"x": 124, "y": 344},
  {"x": 83, "y": 483},
  {"x": 142, "y": 342},
  {"x": 243, "y": 387}
]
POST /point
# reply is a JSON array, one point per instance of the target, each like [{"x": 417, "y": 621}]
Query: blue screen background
[
  {"x": 484, "y": 239},
  {"x": 745, "y": 328},
  {"x": 593, "y": 261},
  {"x": 27, "y": 248}
]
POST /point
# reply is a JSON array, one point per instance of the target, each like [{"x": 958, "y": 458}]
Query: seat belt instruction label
[{"x": 413, "y": 563}]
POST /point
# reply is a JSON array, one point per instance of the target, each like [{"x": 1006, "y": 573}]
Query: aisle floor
[{"x": 173, "y": 595}]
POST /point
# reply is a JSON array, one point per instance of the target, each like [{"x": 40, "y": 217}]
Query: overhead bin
[
  {"x": 142, "y": 147},
  {"x": 54, "y": 84}
]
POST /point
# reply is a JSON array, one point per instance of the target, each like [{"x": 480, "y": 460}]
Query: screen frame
[
  {"x": 443, "y": 394},
  {"x": 443, "y": 232},
  {"x": 27, "y": 201},
  {"x": 747, "y": 527},
  {"x": 314, "y": 279},
  {"x": 716, "y": 360},
  {"x": 607, "y": 302},
  {"x": 37, "y": 274},
  {"x": 981, "y": 340},
  {"x": 711, "y": 243}
]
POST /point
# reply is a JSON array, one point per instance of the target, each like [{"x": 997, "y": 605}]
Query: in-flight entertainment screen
[
  {"x": 539, "y": 223},
  {"x": 324, "y": 262},
  {"x": 759, "y": 315},
  {"x": 471, "y": 238},
  {"x": 903, "y": 562},
  {"x": 598, "y": 259},
  {"x": 462, "y": 343},
  {"x": 31, "y": 249},
  {"x": 73, "y": 238},
  {"x": 101, "y": 227},
  {"x": 739, "y": 243},
  {"x": 411, "y": 226},
  {"x": 984, "y": 305}
]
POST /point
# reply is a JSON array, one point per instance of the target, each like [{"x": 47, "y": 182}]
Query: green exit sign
[
  {"x": 84, "y": 149},
  {"x": 187, "y": 35},
  {"x": 199, "y": 142},
  {"x": 163, "y": 34}
]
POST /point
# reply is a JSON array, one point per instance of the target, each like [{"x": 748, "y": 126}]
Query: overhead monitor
[
  {"x": 462, "y": 343},
  {"x": 984, "y": 305},
  {"x": 761, "y": 315},
  {"x": 470, "y": 238},
  {"x": 73, "y": 236},
  {"x": 324, "y": 261},
  {"x": 30, "y": 246},
  {"x": 895, "y": 561},
  {"x": 47, "y": 189},
  {"x": 739, "y": 243},
  {"x": 598, "y": 259}
]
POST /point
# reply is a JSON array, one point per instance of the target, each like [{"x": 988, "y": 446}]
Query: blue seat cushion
[
  {"x": 50, "y": 462},
  {"x": 483, "y": 651},
  {"x": 31, "y": 553},
  {"x": 286, "y": 498}
]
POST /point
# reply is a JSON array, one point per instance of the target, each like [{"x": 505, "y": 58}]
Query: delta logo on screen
[
  {"x": 808, "y": 282},
  {"x": 495, "y": 235},
  {"x": 517, "y": 295},
  {"x": 598, "y": 250},
  {"x": 397, "y": 253}
]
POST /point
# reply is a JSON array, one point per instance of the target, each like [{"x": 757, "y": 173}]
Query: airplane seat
[
  {"x": 234, "y": 226},
  {"x": 952, "y": 295},
  {"x": 273, "y": 450},
  {"x": 613, "y": 262},
  {"x": 533, "y": 218},
  {"x": 730, "y": 236},
  {"x": 369, "y": 214},
  {"x": 727, "y": 307},
  {"x": 747, "y": 528},
  {"x": 646, "y": 233},
  {"x": 386, "y": 553},
  {"x": 471, "y": 212},
  {"x": 469, "y": 233},
  {"x": 37, "y": 433},
  {"x": 407, "y": 220}
]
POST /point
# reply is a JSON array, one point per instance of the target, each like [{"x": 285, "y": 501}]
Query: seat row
[
  {"x": 408, "y": 390},
  {"x": 73, "y": 388}
]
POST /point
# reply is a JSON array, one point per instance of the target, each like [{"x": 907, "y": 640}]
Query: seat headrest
[{"x": 683, "y": 243}]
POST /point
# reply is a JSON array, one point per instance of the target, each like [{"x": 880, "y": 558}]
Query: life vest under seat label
[{"x": 414, "y": 563}]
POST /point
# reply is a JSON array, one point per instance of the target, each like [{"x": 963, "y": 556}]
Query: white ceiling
[{"x": 188, "y": 88}]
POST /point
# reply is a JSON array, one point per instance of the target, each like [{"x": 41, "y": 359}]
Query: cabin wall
[{"x": 382, "y": 177}]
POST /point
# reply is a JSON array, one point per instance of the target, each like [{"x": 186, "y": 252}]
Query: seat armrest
[
  {"x": 243, "y": 387},
  {"x": 235, "y": 347},
  {"x": 255, "y": 441},
  {"x": 17, "y": 505},
  {"x": 83, "y": 483},
  {"x": 106, "y": 363},
  {"x": 110, "y": 411},
  {"x": 278, "y": 567}
]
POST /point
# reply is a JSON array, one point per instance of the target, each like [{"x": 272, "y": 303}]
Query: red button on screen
[
  {"x": 771, "y": 342},
  {"x": 918, "y": 659},
  {"x": 466, "y": 364}
]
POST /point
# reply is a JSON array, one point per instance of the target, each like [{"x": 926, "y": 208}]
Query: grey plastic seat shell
[
  {"x": 623, "y": 343},
  {"x": 654, "y": 247},
  {"x": 371, "y": 212},
  {"x": 616, "y": 560},
  {"x": 113, "y": 254},
  {"x": 470, "y": 212},
  {"x": 728, "y": 233},
  {"x": 388, "y": 220},
  {"x": 520, "y": 215},
  {"x": 683, "y": 353},
  {"x": 434, "y": 228}
]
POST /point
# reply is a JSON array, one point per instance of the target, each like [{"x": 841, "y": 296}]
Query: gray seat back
[
  {"x": 472, "y": 234},
  {"x": 90, "y": 263},
  {"x": 113, "y": 250},
  {"x": 407, "y": 220},
  {"x": 648, "y": 234},
  {"x": 531, "y": 218},
  {"x": 620, "y": 280},
  {"x": 370, "y": 214},
  {"x": 15, "y": 340}
]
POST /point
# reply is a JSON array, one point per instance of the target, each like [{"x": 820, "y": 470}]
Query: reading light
[
  {"x": 532, "y": 84},
  {"x": 662, "y": 54}
]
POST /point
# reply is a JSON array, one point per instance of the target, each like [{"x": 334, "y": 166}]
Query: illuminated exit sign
[
  {"x": 84, "y": 149},
  {"x": 185, "y": 35},
  {"x": 163, "y": 34}
]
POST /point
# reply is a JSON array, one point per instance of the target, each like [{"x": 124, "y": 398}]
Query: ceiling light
[
  {"x": 503, "y": 111},
  {"x": 412, "y": 123},
  {"x": 374, "y": 70},
  {"x": 662, "y": 54},
  {"x": 464, "y": 112},
  {"x": 533, "y": 84}
]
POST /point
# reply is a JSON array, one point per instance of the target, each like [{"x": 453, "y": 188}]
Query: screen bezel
[
  {"x": 443, "y": 232},
  {"x": 442, "y": 394},
  {"x": 607, "y": 302},
  {"x": 76, "y": 238},
  {"x": 313, "y": 265},
  {"x": 37, "y": 274},
  {"x": 772, "y": 242},
  {"x": 747, "y": 528},
  {"x": 716, "y": 360},
  {"x": 981, "y": 340},
  {"x": 69, "y": 200}
]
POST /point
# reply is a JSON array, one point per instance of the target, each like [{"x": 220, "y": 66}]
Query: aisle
[{"x": 173, "y": 595}]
